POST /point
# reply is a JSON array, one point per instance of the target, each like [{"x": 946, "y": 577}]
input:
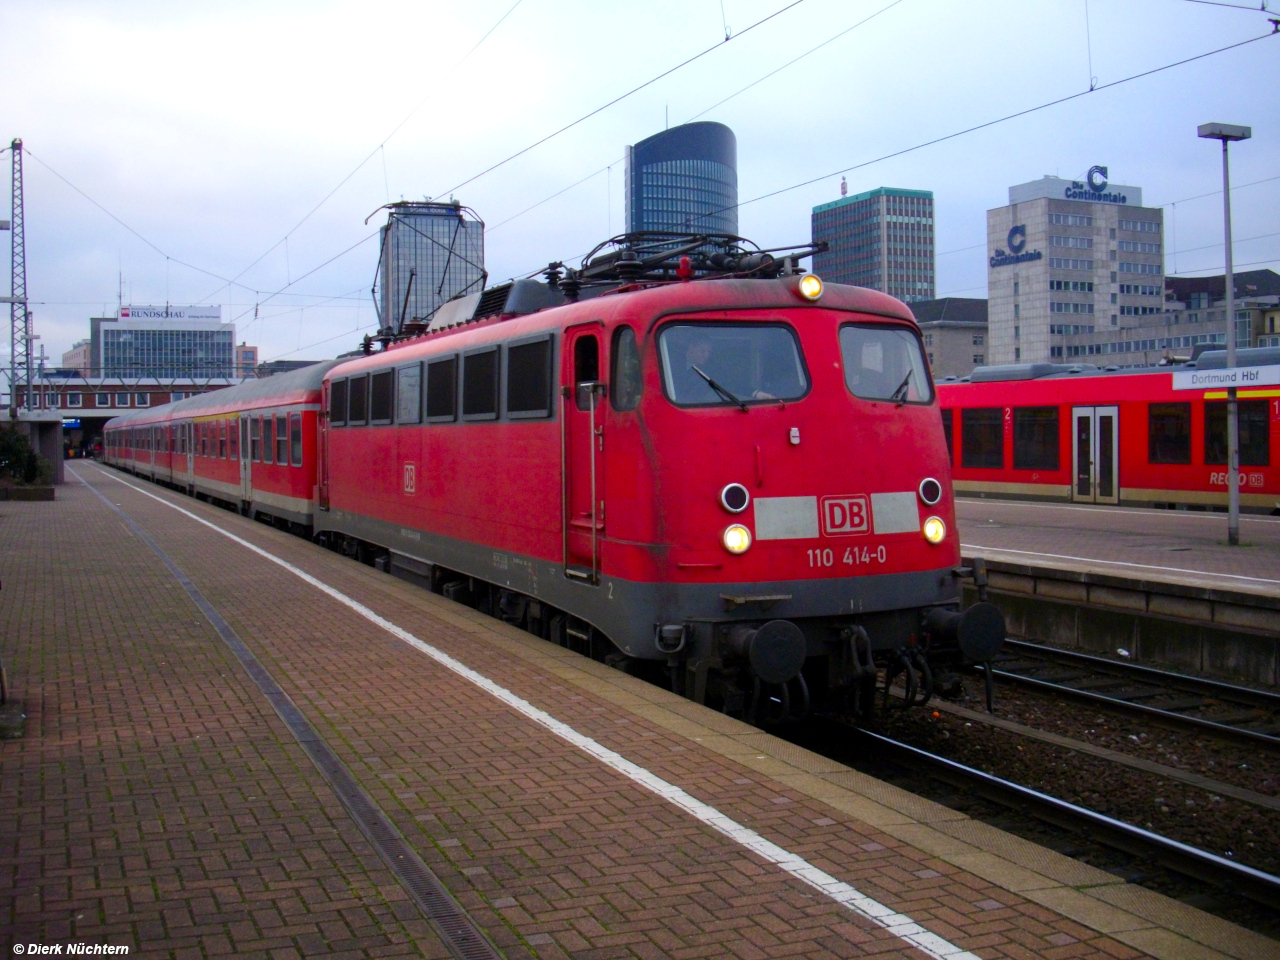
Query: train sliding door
[
  {"x": 1095, "y": 454},
  {"x": 246, "y": 462}
]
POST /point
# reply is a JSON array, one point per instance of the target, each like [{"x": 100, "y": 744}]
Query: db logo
[
  {"x": 410, "y": 478},
  {"x": 844, "y": 516}
]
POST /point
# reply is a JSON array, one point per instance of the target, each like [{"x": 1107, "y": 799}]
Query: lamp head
[{"x": 1224, "y": 131}]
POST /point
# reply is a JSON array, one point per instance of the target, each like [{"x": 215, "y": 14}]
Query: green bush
[{"x": 18, "y": 461}]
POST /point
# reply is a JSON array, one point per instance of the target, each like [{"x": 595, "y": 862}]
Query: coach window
[
  {"x": 529, "y": 378},
  {"x": 480, "y": 384},
  {"x": 337, "y": 403},
  {"x": 442, "y": 390},
  {"x": 626, "y": 382},
  {"x": 357, "y": 400},
  {"x": 982, "y": 438},
  {"x": 255, "y": 439},
  {"x": 222, "y": 439},
  {"x": 268, "y": 445},
  {"x": 1035, "y": 438},
  {"x": 380, "y": 385},
  {"x": 295, "y": 439},
  {"x": 409, "y": 393},
  {"x": 948, "y": 417},
  {"x": 282, "y": 440},
  {"x": 1169, "y": 433},
  {"x": 1255, "y": 447},
  {"x": 233, "y": 439}
]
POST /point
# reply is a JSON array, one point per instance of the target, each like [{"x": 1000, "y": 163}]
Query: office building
[
  {"x": 683, "y": 180},
  {"x": 881, "y": 239},
  {"x": 78, "y": 358},
  {"x": 430, "y": 253},
  {"x": 954, "y": 330},
  {"x": 246, "y": 360},
  {"x": 1072, "y": 264},
  {"x": 162, "y": 342}
]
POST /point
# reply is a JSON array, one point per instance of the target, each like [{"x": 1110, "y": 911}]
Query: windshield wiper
[
  {"x": 899, "y": 396},
  {"x": 719, "y": 389}
]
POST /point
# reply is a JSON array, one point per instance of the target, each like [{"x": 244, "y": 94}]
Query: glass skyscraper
[
  {"x": 684, "y": 180},
  {"x": 441, "y": 245},
  {"x": 881, "y": 239}
]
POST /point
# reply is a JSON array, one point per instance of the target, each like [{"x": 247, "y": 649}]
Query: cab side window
[{"x": 626, "y": 370}]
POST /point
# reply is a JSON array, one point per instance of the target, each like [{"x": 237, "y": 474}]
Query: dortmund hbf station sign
[{"x": 1227, "y": 377}]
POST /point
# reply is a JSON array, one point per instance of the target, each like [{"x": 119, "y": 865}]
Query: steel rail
[
  {"x": 1182, "y": 858},
  {"x": 1166, "y": 678},
  {"x": 1168, "y": 718}
]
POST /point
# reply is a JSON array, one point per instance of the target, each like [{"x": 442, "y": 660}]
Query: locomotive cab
[{"x": 781, "y": 472}]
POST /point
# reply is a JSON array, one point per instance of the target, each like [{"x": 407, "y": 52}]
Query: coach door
[
  {"x": 189, "y": 443},
  {"x": 582, "y": 451},
  {"x": 1095, "y": 457},
  {"x": 246, "y": 461}
]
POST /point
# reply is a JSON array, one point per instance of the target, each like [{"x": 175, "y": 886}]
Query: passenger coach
[
  {"x": 252, "y": 446},
  {"x": 1083, "y": 434}
]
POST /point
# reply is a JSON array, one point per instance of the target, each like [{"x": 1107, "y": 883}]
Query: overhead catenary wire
[
  {"x": 433, "y": 95},
  {"x": 702, "y": 113},
  {"x": 622, "y": 96},
  {"x": 1058, "y": 101}
]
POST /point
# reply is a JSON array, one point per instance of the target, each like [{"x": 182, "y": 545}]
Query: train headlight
[
  {"x": 737, "y": 538},
  {"x": 810, "y": 287},
  {"x": 934, "y": 530}
]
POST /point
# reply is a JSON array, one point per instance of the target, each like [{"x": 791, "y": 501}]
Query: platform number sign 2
[{"x": 410, "y": 478}]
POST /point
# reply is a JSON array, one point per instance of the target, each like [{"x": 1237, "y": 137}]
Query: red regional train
[
  {"x": 696, "y": 461},
  {"x": 1074, "y": 432}
]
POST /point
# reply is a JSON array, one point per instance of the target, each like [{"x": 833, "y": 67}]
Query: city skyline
[{"x": 211, "y": 170}]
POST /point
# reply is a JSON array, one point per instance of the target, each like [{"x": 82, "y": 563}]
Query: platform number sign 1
[{"x": 410, "y": 478}]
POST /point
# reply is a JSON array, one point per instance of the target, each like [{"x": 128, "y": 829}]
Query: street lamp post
[{"x": 1227, "y": 132}]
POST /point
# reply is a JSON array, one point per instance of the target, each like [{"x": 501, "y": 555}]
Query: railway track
[
  {"x": 1170, "y": 699},
  {"x": 1180, "y": 858}
]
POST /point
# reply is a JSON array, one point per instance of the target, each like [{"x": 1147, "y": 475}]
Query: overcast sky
[{"x": 212, "y": 130}]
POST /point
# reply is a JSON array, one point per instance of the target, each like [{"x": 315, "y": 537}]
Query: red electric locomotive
[
  {"x": 686, "y": 457},
  {"x": 1079, "y": 433}
]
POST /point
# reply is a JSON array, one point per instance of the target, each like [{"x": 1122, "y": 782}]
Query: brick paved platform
[
  {"x": 1174, "y": 546},
  {"x": 157, "y": 801}
]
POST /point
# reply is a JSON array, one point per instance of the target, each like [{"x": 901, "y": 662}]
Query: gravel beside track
[{"x": 1172, "y": 809}]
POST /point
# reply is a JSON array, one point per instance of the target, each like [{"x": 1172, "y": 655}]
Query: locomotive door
[
  {"x": 582, "y": 452},
  {"x": 1095, "y": 449},
  {"x": 246, "y": 461}
]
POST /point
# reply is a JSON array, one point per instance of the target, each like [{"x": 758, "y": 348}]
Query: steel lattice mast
[{"x": 19, "y": 317}]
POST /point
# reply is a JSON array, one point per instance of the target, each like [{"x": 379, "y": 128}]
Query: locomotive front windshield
[
  {"x": 884, "y": 363},
  {"x": 706, "y": 364}
]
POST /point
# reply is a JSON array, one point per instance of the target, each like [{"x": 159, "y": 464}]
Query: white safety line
[
  {"x": 1104, "y": 510},
  {"x": 897, "y": 924},
  {"x": 1202, "y": 574}
]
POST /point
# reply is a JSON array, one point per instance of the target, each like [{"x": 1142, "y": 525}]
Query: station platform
[
  {"x": 240, "y": 744},
  {"x": 1183, "y": 547}
]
